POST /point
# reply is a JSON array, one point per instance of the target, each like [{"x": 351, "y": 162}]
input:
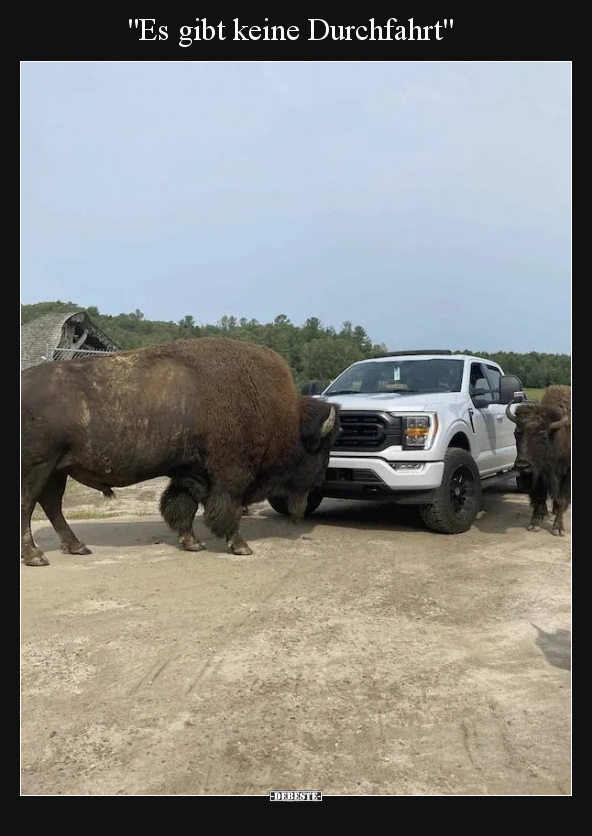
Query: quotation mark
[
  {"x": 447, "y": 23},
  {"x": 135, "y": 22}
]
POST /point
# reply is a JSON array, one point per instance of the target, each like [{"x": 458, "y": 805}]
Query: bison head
[
  {"x": 536, "y": 433},
  {"x": 319, "y": 427}
]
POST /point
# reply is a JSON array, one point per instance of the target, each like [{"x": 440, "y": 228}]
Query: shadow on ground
[
  {"x": 556, "y": 647},
  {"x": 504, "y": 509}
]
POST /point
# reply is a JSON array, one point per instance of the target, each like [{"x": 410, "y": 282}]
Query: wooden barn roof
[{"x": 51, "y": 331}]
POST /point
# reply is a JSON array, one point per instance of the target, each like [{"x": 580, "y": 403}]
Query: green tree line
[{"x": 314, "y": 351}]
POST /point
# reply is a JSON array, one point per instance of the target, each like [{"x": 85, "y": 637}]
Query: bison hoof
[
  {"x": 557, "y": 532},
  {"x": 79, "y": 548},
  {"x": 239, "y": 547},
  {"x": 195, "y": 546},
  {"x": 37, "y": 559},
  {"x": 533, "y": 527}
]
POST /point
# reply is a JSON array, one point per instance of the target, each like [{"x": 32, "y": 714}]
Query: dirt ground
[{"x": 355, "y": 654}]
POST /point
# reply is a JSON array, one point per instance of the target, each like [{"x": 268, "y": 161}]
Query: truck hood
[{"x": 392, "y": 401}]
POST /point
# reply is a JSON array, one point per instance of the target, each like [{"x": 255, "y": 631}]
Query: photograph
[{"x": 295, "y": 412}]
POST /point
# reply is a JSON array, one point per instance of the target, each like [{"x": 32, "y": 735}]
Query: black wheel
[
  {"x": 278, "y": 503},
  {"x": 458, "y": 500}
]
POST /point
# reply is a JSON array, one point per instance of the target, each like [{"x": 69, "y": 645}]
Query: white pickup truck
[{"x": 426, "y": 428}]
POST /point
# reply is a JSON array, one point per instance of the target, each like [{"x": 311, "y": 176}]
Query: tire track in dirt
[{"x": 235, "y": 627}]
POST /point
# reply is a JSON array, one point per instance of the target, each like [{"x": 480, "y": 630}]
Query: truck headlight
[{"x": 419, "y": 431}]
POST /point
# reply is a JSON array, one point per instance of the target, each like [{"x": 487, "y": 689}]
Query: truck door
[
  {"x": 483, "y": 420},
  {"x": 505, "y": 443}
]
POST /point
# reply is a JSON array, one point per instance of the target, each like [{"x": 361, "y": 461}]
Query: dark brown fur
[
  {"x": 220, "y": 417},
  {"x": 544, "y": 454}
]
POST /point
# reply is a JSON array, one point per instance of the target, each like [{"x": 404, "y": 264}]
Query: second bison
[{"x": 543, "y": 459}]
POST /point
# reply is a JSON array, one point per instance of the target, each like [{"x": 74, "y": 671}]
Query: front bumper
[{"x": 375, "y": 478}]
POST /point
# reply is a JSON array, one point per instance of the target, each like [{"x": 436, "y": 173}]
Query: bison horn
[
  {"x": 328, "y": 423},
  {"x": 509, "y": 412},
  {"x": 556, "y": 424}
]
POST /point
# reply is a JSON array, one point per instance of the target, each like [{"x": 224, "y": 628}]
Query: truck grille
[{"x": 368, "y": 431}]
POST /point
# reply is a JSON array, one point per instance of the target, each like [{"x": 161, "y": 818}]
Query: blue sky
[{"x": 429, "y": 202}]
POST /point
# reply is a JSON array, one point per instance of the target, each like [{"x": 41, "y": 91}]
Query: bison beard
[{"x": 220, "y": 417}]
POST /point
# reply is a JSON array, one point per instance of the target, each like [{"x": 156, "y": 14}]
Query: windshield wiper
[{"x": 343, "y": 392}]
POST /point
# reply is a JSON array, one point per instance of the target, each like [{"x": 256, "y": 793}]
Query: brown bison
[
  {"x": 220, "y": 417},
  {"x": 543, "y": 453}
]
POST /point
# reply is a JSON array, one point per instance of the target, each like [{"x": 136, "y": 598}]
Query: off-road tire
[{"x": 458, "y": 499}]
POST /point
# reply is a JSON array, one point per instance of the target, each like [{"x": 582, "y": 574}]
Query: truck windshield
[{"x": 399, "y": 376}]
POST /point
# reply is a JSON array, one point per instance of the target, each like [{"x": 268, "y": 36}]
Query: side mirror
[{"x": 511, "y": 389}]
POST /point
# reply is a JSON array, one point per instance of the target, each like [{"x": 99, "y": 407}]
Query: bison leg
[
  {"x": 560, "y": 506},
  {"x": 558, "y": 509},
  {"x": 34, "y": 478},
  {"x": 222, "y": 515},
  {"x": 235, "y": 543},
  {"x": 31, "y": 555},
  {"x": 178, "y": 506},
  {"x": 538, "y": 502},
  {"x": 51, "y": 502}
]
